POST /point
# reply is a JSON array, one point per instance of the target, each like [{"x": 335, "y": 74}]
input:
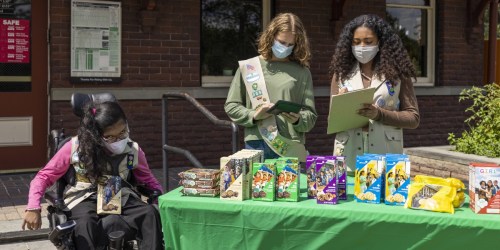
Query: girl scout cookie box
[
  {"x": 484, "y": 189},
  {"x": 340, "y": 169},
  {"x": 369, "y": 178},
  {"x": 311, "y": 176},
  {"x": 326, "y": 180},
  {"x": 263, "y": 183},
  {"x": 397, "y": 179},
  {"x": 287, "y": 185},
  {"x": 235, "y": 183}
]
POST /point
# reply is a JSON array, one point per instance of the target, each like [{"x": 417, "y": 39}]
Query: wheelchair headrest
[{"x": 79, "y": 100}]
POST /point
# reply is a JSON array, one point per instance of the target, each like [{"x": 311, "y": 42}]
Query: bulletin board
[{"x": 95, "y": 41}]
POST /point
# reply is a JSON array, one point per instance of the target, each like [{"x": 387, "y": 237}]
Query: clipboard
[
  {"x": 343, "y": 110},
  {"x": 285, "y": 106}
]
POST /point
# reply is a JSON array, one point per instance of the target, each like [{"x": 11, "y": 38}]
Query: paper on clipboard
[{"x": 343, "y": 110}]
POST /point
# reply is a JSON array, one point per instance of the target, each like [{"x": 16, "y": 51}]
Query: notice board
[{"x": 95, "y": 41}]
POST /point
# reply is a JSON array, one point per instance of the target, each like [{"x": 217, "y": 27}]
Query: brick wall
[
  {"x": 439, "y": 115},
  {"x": 439, "y": 168},
  {"x": 459, "y": 62},
  {"x": 168, "y": 56}
]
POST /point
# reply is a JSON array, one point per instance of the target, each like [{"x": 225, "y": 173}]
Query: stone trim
[
  {"x": 441, "y": 161},
  {"x": 213, "y": 92}
]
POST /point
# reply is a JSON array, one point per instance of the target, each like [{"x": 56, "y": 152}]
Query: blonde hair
[{"x": 282, "y": 23}]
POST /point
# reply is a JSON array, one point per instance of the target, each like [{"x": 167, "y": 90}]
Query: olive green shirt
[{"x": 284, "y": 81}]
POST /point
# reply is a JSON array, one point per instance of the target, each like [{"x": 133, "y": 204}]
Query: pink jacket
[{"x": 59, "y": 164}]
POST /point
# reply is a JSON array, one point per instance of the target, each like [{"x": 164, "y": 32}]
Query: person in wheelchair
[{"x": 102, "y": 151}]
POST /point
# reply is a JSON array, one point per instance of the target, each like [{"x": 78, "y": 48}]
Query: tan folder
[{"x": 343, "y": 113}]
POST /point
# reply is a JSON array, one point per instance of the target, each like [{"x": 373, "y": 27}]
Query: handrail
[{"x": 186, "y": 153}]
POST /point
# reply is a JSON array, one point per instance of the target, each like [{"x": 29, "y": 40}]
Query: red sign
[{"x": 14, "y": 40}]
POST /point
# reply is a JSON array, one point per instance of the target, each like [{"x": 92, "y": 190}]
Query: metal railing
[{"x": 186, "y": 153}]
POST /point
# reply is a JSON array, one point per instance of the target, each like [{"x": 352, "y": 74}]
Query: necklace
[{"x": 365, "y": 76}]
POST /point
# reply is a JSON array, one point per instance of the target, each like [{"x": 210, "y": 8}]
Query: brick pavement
[{"x": 13, "y": 195}]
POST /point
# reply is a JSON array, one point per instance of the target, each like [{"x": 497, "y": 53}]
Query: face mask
[
  {"x": 281, "y": 51},
  {"x": 117, "y": 147},
  {"x": 364, "y": 54}
]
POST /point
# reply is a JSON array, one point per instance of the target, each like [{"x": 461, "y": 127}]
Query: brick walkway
[{"x": 14, "y": 195}]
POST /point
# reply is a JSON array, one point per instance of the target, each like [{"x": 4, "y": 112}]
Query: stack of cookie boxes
[
  {"x": 200, "y": 182},
  {"x": 382, "y": 178},
  {"x": 236, "y": 174},
  {"x": 286, "y": 183},
  {"x": 326, "y": 179}
]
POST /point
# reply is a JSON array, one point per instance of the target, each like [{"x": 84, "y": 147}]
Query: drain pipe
[{"x": 492, "y": 43}]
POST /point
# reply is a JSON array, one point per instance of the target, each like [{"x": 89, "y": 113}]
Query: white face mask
[
  {"x": 117, "y": 147},
  {"x": 364, "y": 54},
  {"x": 281, "y": 51}
]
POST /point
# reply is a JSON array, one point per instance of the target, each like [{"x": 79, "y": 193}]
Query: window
[
  {"x": 414, "y": 22},
  {"x": 486, "y": 24},
  {"x": 229, "y": 32}
]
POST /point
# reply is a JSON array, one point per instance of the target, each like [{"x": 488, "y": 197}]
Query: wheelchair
[{"x": 60, "y": 227}]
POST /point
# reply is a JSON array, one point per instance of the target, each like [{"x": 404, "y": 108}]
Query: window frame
[
  {"x": 211, "y": 81},
  {"x": 429, "y": 80}
]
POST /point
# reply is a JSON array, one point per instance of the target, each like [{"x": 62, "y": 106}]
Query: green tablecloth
[{"x": 209, "y": 223}]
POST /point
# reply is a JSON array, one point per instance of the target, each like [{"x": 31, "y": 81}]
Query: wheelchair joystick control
[{"x": 116, "y": 240}]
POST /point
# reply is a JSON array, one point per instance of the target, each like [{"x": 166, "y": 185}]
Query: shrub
[{"x": 483, "y": 136}]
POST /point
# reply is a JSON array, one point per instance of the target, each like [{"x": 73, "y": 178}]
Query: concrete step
[{"x": 26, "y": 235}]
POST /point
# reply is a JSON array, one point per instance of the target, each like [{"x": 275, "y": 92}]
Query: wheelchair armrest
[
  {"x": 152, "y": 194},
  {"x": 52, "y": 198},
  {"x": 70, "y": 177}
]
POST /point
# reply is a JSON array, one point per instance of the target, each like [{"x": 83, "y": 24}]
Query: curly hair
[
  {"x": 96, "y": 118},
  {"x": 392, "y": 61},
  {"x": 282, "y": 23}
]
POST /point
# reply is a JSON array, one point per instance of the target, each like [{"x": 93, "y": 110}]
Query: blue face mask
[{"x": 281, "y": 51}]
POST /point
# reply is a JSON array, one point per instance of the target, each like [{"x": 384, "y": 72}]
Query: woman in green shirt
[{"x": 284, "y": 59}]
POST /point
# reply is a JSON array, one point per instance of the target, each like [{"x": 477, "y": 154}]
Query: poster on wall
[
  {"x": 14, "y": 40},
  {"x": 15, "y": 45},
  {"x": 95, "y": 41}
]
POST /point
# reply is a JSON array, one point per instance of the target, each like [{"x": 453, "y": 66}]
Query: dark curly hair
[
  {"x": 392, "y": 62},
  {"x": 96, "y": 118}
]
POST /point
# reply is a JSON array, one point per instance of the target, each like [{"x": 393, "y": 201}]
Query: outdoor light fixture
[{"x": 148, "y": 14}]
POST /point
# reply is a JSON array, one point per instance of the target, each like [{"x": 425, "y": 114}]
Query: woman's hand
[
  {"x": 369, "y": 110},
  {"x": 32, "y": 219},
  {"x": 343, "y": 90},
  {"x": 291, "y": 117},
  {"x": 261, "y": 111}
]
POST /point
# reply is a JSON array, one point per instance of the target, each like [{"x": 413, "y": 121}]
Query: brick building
[{"x": 162, "y": 50}]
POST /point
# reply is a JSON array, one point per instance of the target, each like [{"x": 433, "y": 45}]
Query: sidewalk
[{"x": 14, "y": 190}]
